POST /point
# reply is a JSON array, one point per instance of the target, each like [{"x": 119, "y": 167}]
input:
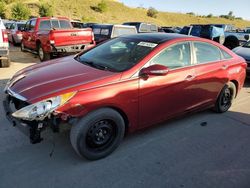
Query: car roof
[{"x": 156, "y": 37}]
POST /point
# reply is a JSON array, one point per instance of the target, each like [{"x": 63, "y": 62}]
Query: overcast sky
[{"x": 240, "y": 8}]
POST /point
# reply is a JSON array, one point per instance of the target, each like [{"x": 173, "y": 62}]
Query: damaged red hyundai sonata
[{"x": 123, "y": 85}]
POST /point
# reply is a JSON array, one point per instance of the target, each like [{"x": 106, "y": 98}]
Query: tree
[
  {"x": 20, "y": 11},
  {"x": 45, "y": 9},
  {"x": 191, "y": 13},
  {"x": 152, "y": 12},
  {"x": 101, "y": 7},
  {"x": 209, "y": 15},
  {"x": 2, "y": 9}
]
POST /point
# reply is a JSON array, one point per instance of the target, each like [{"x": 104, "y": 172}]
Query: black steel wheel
[
  {"x": 98, "y": 134},
  {"x": 225, "y": 98}
]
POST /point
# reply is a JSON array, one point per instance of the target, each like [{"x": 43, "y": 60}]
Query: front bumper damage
[{"x": 32, "y": 129}]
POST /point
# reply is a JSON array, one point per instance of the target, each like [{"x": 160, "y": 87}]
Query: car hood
[
  {"x": 57, "y": 76},
  {"x": 243, "y": 52}
]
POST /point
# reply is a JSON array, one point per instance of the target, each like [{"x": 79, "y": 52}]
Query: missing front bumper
[{"x": 31, "y": 129}]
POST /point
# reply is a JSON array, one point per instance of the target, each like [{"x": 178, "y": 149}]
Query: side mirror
[{"x": 156, "y": 70}]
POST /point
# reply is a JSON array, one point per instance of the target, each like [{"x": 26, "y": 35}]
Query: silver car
[
  {"x": 15, "y": 32},
  {"x": 244, "y": 51}
]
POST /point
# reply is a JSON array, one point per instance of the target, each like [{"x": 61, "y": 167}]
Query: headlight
[{"x": 42, "y": 109}]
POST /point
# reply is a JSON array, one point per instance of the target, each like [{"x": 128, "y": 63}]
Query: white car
[{"x": 4, "y": 46}]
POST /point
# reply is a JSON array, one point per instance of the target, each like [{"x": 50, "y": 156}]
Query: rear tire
[
  {"x": 5, "y": 63},
  {"x": 225, "y": 98},
  {"x": 22, "y": 47},
  {"x": 13, "y": 41},
  {"x": 98, "y": 134},
  {"x": 220, "y": 39},
  {"x": 43, "y": 56}
]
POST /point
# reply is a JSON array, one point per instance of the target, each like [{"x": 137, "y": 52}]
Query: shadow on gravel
[
  {"x": 247, "y": 82},
  {"x": 178, "y": 151}
]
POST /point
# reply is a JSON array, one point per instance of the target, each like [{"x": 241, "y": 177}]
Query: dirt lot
[{"x": 178, "y": 153}]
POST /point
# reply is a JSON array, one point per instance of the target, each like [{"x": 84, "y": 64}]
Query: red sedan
[{"x": 123, "y": 85}]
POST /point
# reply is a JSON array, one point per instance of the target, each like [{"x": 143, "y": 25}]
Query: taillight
[
  {"x": 93, "y": 37},
  {"x": 244, "y": 65},
  {"x": 5, "y": 36}
]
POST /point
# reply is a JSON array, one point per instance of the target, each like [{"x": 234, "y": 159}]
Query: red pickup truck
[{"x": 50, "y": 36}]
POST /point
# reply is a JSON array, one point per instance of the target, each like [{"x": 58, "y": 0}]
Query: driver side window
[{"x": 174, "y": 56}]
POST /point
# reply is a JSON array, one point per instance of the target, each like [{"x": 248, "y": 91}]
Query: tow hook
[{"x": 35, "y": 133}]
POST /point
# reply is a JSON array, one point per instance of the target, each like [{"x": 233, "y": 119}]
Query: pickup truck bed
[{"x": 49, "y": 38}]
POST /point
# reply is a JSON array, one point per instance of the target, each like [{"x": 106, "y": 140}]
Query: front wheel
[
  {"x": 98, "y": 134},
  {"x": 225, "y": 98}
]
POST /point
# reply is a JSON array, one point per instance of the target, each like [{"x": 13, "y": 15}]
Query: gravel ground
[{"x": 184, "y": 152}]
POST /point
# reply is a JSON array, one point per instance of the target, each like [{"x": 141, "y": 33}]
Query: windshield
[
  {"x": 247, "y": 45},
  {"x": 117, "y": 55}
]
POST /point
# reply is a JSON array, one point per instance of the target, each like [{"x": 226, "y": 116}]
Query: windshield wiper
[
  {"x": 95, "y": 65},
  {"x": 98, "y": 66}
]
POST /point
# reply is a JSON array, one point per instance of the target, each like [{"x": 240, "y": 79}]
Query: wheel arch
[
  {"x": 123, "y": 114},
  {"x": 38, "y": 42},
  {"x": 236, "y": 83}
]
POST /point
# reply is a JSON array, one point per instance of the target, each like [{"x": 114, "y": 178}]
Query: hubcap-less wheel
[
  {"x": 226, "y": 98},
  {"x": 101, "y": 135},
  {"x": 98, "y": 134}
]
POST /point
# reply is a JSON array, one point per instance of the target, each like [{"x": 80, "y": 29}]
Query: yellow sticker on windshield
[{"x": 147, "y": 44}]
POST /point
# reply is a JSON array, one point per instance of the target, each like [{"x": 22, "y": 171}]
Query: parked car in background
[
  {"x": 125, "y": 84},
  {"x": 233, "y": 37},
  {"x": 207, "y": 31},
  {"x": 247, "y": 29},
  {"x": 15, "y": 32},
  {"x": 244, "y": 51},
  {"x": 103, "y": 32},
  {"x": 89, "y": 24},
  {"x": 55, "y": 36},
  {"x": 4, "y": 46},
  {"x": 77, "y": 24},
  {"x": 8, "y": 23},
  {"x": 170, "y": 29},
  {"x": 143, "y": 27}
]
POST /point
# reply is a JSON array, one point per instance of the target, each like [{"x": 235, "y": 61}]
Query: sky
[{"x": 240, "y": 8}]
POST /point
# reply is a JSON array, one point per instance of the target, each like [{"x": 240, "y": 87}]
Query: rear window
[
  {"x": 65, "y": 24},
  {"x": 57, "y": 24},
  {"x": 206, "y": 52},
  {"x": 123, "y": 31},
  {"x": 148, "y": 28}
]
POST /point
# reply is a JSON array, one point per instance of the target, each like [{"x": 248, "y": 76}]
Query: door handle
[
  {"x": 190, "y": 77},
  {"x": 224, "y": 67}
]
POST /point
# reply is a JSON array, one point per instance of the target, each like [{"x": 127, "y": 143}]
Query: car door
[
  {"x": 26, "y": 35},
  {"x": 161, "y": 97},
  {"x": 32, "y": 34},
  {"x": 211, "y": 72}
]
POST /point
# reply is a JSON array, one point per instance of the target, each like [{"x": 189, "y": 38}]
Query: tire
[
  {"x": 225, "y": 98},
  {"x": 231, "y": 42},
  {"x": 220, "y": 39},
  {"x": 13, "y": 41},
  {"x": 22, "y": 47},
  {"x": 98, "y": 134},
  {"x": 43, "y": 56},
  {"x": 5, "y": 63}
]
